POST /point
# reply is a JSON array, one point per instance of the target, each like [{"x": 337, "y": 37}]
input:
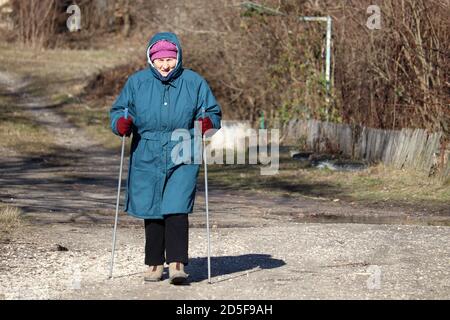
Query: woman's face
[{"x": 165, "y": 65}]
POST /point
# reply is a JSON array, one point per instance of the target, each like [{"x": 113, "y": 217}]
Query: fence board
[{"x": 406, "y": 148}]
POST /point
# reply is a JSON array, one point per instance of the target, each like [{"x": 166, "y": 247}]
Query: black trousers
[{"x": 169, "y": 235}]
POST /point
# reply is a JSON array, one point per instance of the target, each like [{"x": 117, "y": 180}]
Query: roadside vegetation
[
  {"x": 58, "y": 77},
  {"x": 10, "y": 219},
  {"x": 378, "y": 185},
  {"x": 390, "y": 78}
]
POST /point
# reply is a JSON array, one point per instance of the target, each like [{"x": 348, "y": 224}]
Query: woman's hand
[{"x": 124, "y": 126}]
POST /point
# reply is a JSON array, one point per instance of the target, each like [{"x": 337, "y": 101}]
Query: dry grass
[
  {"x": 378, "y": 184},
  {"x": 93, "y": 117},
  {"x": 58, "y": 64},
  {"x": 60, "y": 75},
  {"x": 382, "y": 183},
  {"x": 10, "y": 218},
  {"x": 20, "y": 134}
]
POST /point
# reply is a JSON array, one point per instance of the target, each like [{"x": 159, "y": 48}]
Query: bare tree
[{"x": 35, "y": 21}]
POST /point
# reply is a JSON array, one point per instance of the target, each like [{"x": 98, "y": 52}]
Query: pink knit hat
[{"x": 163, "y": 49}]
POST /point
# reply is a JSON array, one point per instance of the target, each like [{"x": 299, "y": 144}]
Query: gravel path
[
  {"x": 276, "y": 261},
  {"x": 261, "y": 247}
]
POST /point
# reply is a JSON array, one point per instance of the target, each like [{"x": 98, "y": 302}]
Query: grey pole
[
  {"x": 206, "y": 203},
  {"x": 117, "y": 202}
]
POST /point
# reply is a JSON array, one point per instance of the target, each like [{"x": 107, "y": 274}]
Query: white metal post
[
  {"x": 266, "y": 10},
  {"x": 328, "y": 62},
  {"x": 329, "y": 22}
]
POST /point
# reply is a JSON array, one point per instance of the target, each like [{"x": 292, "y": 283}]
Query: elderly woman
[{"x": 160, "y": 99}]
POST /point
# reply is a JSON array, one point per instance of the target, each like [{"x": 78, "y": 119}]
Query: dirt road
[{"x": 263, "y": 246}]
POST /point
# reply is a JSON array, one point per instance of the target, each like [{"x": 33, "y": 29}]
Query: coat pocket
[{"x": 142, "y": 192}]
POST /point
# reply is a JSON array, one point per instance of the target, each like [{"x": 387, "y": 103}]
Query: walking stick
[
  {"x": 117, "y": 202},
  {"x": 206, "y": 201}
]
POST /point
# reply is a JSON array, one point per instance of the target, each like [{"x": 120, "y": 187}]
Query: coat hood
[{"x": 169, "y": 36}]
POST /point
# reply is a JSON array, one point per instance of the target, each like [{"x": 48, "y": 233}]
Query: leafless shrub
[
  {"x": 10, "y": 217},
  {"x": 43, "y": 23},
  {"x": 395, "y": 77},
  {"x": 392, "y": 78},
  {"x": 35, "y": 21}
]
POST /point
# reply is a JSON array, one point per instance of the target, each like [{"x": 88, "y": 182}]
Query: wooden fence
[{"x": 406, "y": 148}]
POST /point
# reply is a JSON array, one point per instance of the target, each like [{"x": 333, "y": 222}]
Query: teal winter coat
[{"x": 157, "y": 186}]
